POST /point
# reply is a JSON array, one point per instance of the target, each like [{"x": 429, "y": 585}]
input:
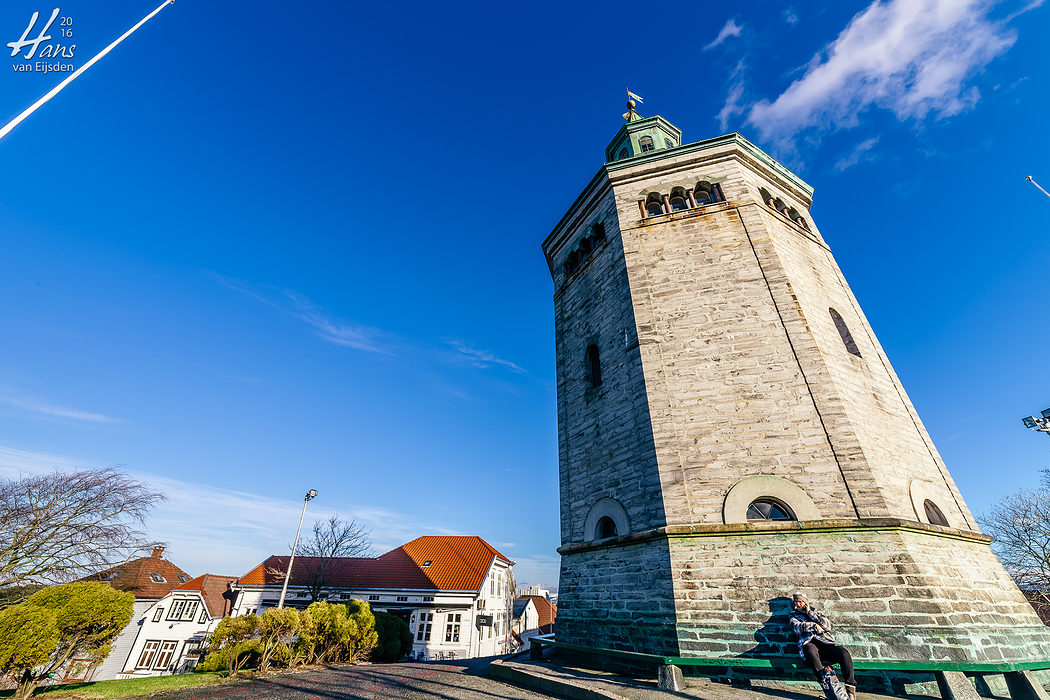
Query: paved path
[{"x": 419, "y": 680}]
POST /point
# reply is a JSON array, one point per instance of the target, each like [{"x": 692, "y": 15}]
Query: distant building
[
  {"x": 149, "y": 579},
  {"x": 454, "y": 592},
  {"x": 534, "y": 590},
  {"x": 175, "y": 629}
]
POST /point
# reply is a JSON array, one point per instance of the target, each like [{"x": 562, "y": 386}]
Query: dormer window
[
  {"x": 184, "y": 578},
  {"x": 110, "y": 576},
  {"x": 157, "y": 578},
  {"x": 427, "y": 563},
  {"x": 646, "y": 144}
]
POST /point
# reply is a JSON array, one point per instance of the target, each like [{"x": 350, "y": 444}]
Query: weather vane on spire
[{"x": 630, "y": 115}]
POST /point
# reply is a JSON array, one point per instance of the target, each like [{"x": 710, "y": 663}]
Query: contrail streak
[{"x": 73, "y": 76}]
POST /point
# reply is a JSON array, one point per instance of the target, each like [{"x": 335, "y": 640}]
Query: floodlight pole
[
  {"x": 1041, "y": 425},
  {"x": 287, "y": 574},
  {"x": 1029, "y": 178}
]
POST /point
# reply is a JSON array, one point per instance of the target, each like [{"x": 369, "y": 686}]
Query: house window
[
  {"x": 452, "y": 627},
  {"x": 934, "y": 514},
  {"x": 605, "y": 528},
  {"x": 149, "y": 652},
  {"x": 646, "y": 144},
  {"x": 175, "y": 612},
  {"x": 594, "y": 366},
  {"x": 158, "y": 614},
  {"x": 184, "y": 578},
  {"x": 423, "y": 631},
  {"x": 481, "y": 604},
  {"x": 678, "y": 203},
  {"x": 428, "y": 598},
  {"x": 702, "y": 196},
  {"x": 847, "y": 337},
  {"x": 654, "y": 205},
  {"x": 768, "y": 509},
  {"x": 204, "y": 616},
  {"x": 373, "y": 597},
  {"x": 167, "y": 649},
  {"x": 427, "y": 563},
  {"x": 157, "y": 578},
  {"x": 402, "y": 599}
]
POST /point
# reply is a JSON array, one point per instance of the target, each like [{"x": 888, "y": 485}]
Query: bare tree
[
  {"x": 332, "y": 539},
  {"x": 64, "y": 525},
  {"x": 1020, "y": 523}
]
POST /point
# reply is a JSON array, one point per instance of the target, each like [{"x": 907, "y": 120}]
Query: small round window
[
  {"x": 934, "y": 514},
  {"x": 622, "y": 154},
  {"x": 768, "y": 509},
  {"x": 605, "y": 528}
]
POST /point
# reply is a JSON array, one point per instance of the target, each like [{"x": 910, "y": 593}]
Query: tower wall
[{"x": 725, "y": 377}]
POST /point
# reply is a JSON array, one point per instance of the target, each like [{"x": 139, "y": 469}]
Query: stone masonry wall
[
  {"x": 891, "y": 595},
  {"x": 619, "y": 598},
  {"x": 604, "y": 433},
  {"x": 727, "y": 397}
]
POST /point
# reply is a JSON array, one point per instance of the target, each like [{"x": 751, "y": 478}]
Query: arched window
[
  {"x": 572, "y": 263},
  {"x": 622, "y": 154},
  {"x": 605, "y": 528},
  {"x": 847, "y": 337},
  {"x": 598, "y": 232},
  {"x": 678, "y": 200},
  {"x": 594, "y": 366},
  {"x": 768, "y": 509},
  {"x": 669, "y": 143},
  {"x": 702, "y": 196},
  {"x": 934, "y": 514},
  {"x": 645, "y": 144},
  {"x": 653, "y": 205}
]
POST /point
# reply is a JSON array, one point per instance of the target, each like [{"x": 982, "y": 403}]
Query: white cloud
[
  {"x": 912, "y": 57},
  {"x": 734, "y": 100},
  {"x": 859, "y": 152},
  {"x": 216, "y": 530},
  {"x": 482, "y": 359},
  {"x": 359, "y": 337},
  {"x": 44, "y": 408},
  {"x": 729, "y": 29},
  {"x": 790, "y": 16}
]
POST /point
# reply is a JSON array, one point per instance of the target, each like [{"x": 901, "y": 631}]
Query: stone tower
[{"x": 730, "y": 429}]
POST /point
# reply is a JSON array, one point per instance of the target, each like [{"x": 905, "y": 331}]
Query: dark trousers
[{"x": 820, "y": 654}]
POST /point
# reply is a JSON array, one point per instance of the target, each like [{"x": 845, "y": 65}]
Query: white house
[
  {"x": 454, "y": 592},
  {"x": 174, "y": 630},
  {"x": 533, "y": 615},
  {"x": 149, "y": 579}
]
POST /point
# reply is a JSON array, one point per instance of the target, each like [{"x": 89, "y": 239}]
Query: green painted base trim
[{"x": 791, "y": 662}]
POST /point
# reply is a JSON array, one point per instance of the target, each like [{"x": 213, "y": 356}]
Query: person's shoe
[{"x": 851, "y": 691}]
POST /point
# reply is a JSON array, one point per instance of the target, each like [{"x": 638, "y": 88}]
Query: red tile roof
[
  {"x": 456, "y": 564},
  {"x": 548, "y": 611},
  {"x": 211, "y": 588},
  {"x": 137, "y": 576}
]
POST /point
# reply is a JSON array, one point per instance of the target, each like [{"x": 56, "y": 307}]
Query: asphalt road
[{"x": 417, "y": 680}]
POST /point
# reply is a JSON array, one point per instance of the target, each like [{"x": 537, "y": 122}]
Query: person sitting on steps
[{"x": 816, "y": 645}]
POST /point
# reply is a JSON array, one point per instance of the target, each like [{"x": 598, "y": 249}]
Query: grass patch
[{"x": 127, "y": 688}]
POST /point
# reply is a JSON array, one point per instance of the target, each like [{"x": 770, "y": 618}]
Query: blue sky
[{"x": 256, "y": 250}]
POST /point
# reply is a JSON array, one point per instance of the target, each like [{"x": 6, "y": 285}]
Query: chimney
[{"x": 158, "y": 550}]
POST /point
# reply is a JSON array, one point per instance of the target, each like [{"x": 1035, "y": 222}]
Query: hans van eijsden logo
[{"x": 42, "y": 46}]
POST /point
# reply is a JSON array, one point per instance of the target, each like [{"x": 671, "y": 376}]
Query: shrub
[{"x": 395, "y": 639}]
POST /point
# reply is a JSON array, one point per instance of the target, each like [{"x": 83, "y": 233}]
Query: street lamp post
[
  {"x": 287, "y": 574},
  {"x": 1040, "y": 424}
]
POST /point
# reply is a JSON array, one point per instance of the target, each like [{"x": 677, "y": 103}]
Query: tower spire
[{"x": 632, "y": 101}]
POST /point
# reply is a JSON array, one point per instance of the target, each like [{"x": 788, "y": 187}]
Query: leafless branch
[
  {"x": 1020, "y": 524},
  {"x": 332, "y": 539},
  {"x": 65, "y": 525}
]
